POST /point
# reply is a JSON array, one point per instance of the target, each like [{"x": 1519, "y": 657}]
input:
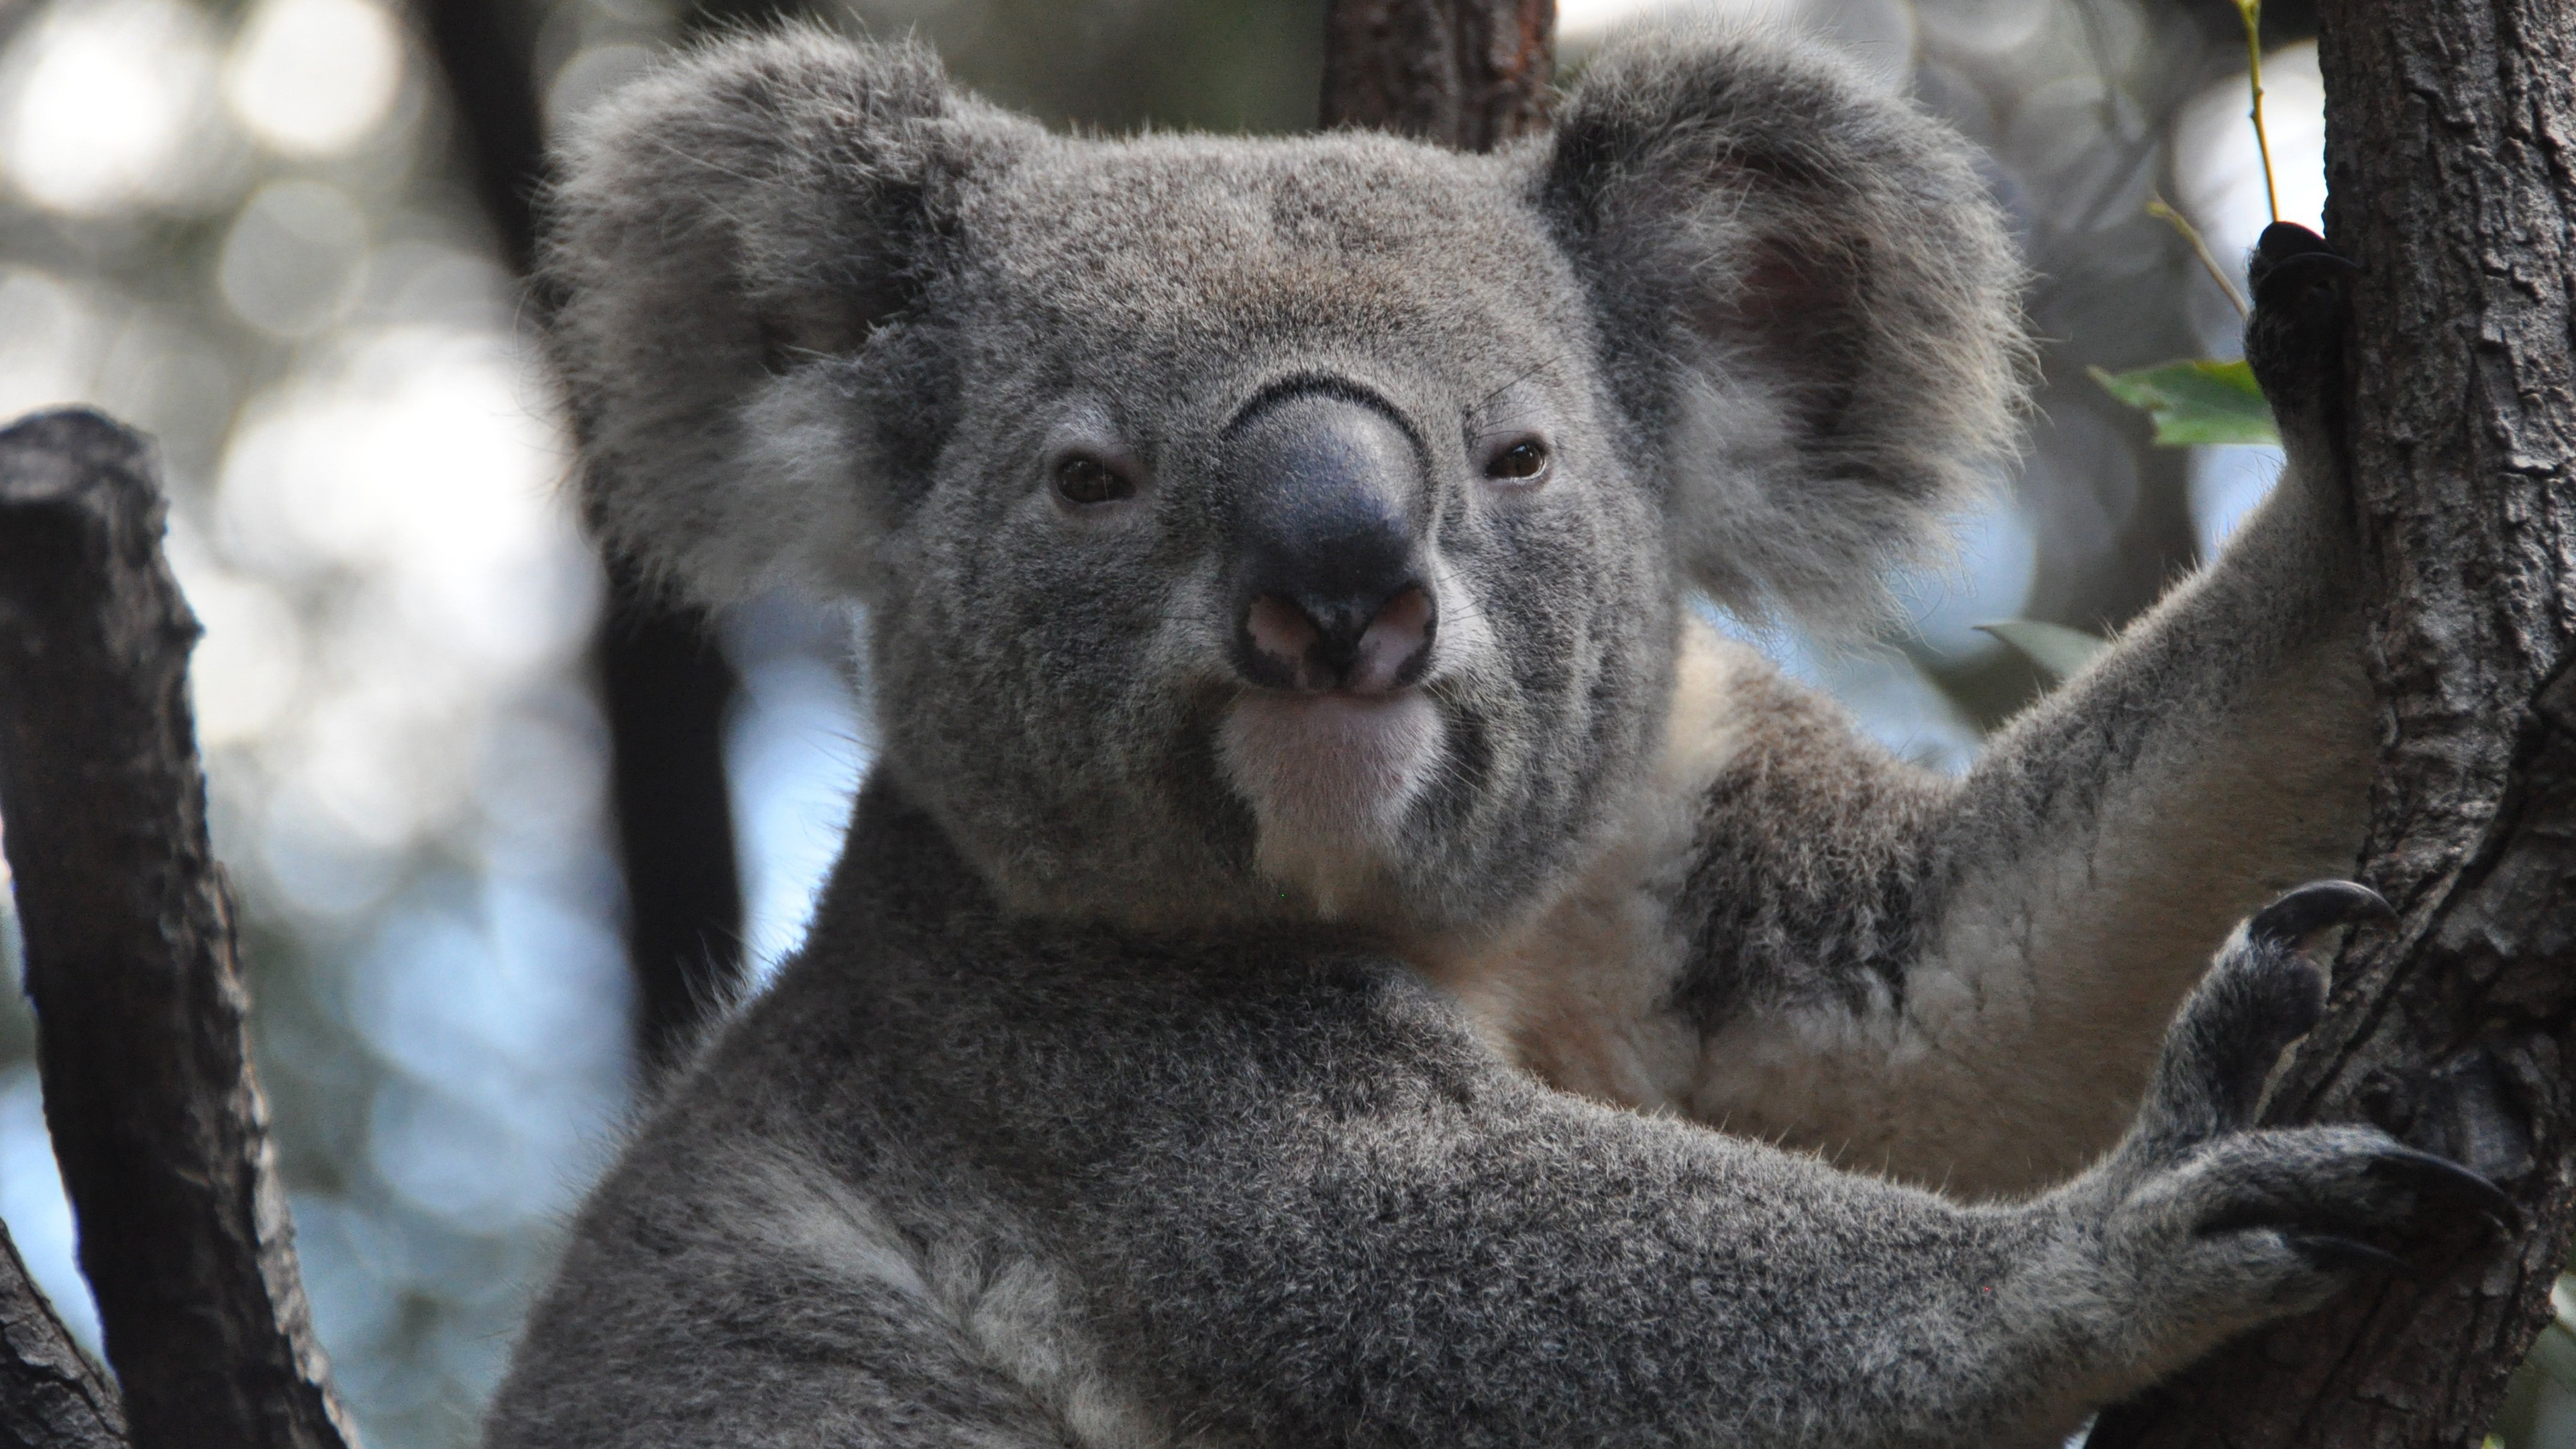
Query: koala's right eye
[{"x": 1082, "y": 479}]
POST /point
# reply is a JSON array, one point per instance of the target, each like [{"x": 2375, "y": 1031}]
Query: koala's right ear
[{"x": 738, "y": 258}]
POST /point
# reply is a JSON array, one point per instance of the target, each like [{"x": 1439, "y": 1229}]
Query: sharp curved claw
[
  {"x": 2328, "y": 1251},
  {"x": 2439, "y": 1179},
  {"x": 2299, "y": 915}
]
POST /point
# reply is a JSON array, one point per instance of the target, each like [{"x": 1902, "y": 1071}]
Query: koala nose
[{"x": 1329, "y": 592}]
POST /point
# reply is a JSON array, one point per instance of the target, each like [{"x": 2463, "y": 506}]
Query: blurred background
[{"x": 498, "y": 830}]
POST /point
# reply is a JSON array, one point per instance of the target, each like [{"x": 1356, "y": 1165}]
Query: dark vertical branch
[
  {"x": 1471, "y": 74},
  {"x": 2451, "y": 150},
  {"x": 666, "y": 689},
  {"x": 51, "y": 1395},
  {"x": 156, "y": 1117},
  {"x": 486, "y": 49},
  {"x": 662, "y": 685}
]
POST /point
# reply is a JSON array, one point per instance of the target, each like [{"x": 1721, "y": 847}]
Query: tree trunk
[
  {"x": 2451, "y": 150},
  {"x": 140, "y": 1031},
  {"x": 1471, "y": 74},
  {"x": 51, "y": 1395}
]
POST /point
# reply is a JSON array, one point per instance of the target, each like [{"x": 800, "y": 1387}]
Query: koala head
[{"x": 1286, "y": 528}]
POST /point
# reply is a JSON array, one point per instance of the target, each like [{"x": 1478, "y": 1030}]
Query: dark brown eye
[
  {"x": 1088, "y": 480},
  {"x": 1523, "y": 460}
]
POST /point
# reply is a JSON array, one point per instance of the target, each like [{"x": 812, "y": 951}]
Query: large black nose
[{"x": 1329, "y": 591}]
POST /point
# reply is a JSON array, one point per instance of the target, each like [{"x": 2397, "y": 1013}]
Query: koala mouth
[{"x": 1331, "y": 778}]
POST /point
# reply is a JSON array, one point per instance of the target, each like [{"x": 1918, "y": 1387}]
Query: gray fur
[
  {"x": 1810, "y": 306},
  {"x": 1113, "y": 1101}
]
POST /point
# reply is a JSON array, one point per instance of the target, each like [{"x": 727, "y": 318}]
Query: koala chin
[
  {"x": 1332, "y": 783},
  {"x": 1331, "y": 951}
]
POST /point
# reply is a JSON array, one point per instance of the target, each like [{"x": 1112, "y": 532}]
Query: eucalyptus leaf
[
  {"x": 2196, "y": 401},
  {"x": 2056, "y": 649}
]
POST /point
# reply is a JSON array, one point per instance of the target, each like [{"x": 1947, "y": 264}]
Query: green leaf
[
  {"x": 2056, "y": 649},
  {"x": 2196, "y": 401}
]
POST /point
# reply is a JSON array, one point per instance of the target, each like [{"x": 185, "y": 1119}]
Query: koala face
[
  {"x": 1274, "y": 529},
  {"x": 1281, "y": 556}
]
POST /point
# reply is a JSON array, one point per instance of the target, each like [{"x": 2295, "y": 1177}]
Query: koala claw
[
  {"x": 2294, "y": 920},
  {"x": 2438, "y": 1181},
  {"x": 2366, "y": 1181}
]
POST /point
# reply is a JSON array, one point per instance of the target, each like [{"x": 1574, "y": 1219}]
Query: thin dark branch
[
  {"x": 51, "y": 1395},
  {"x": 1471, "y": 74},
  {"x": 156, "y": 1117},
  {"x": 664, "y": 688},
  {"x": 485, "y": 49}
]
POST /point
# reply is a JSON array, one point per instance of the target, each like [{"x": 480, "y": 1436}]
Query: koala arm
[
  {"x": 1962, "y": 983},
  {"x": 1807, "y": 305}
]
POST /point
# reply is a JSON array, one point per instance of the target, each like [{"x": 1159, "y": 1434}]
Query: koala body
[{"x": 1316, "y": 857}]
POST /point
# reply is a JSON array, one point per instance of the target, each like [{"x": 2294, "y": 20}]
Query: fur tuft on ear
[
  {"x": 1810, "y": 304},
  {"x": 738, "y": 261}
]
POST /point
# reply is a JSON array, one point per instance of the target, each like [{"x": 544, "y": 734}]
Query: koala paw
[
  {"x": 2256, "y": 1225},
  {"x": 2265, "y": 991},
  {"x": 2294, "y": 339},
  {"x": 2219, "y": 1226}
]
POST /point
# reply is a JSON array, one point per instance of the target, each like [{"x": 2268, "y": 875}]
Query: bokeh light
[
  {"x": 104, "y": 105},
  {"x": 314, "y": 77},
  {"x": 290, "y": 262},
  {"x": 2223, "y": 189}
]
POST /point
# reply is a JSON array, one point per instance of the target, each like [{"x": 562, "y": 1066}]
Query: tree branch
[
  {"x": 154, "y": 1112},
  {"x": 663, "y": 686},
  {"x": 1471, "y": 74},
  {"x": 2451, "y": 133},
  {"x": 51, "y": 1395}
]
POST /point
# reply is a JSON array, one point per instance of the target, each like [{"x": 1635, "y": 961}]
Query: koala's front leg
[{"x": 2053, "y": 908}]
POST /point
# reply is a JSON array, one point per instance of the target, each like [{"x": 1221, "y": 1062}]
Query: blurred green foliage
[{"x": 2196, "y": 401}]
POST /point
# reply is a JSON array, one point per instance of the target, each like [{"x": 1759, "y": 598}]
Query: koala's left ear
[{"x": 1809, "y": 301}]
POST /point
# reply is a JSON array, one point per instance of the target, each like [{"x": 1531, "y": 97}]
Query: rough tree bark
[
  {"x": 662, "y": 683},
  {"x": 2451, "y": 152},
  {"x": 1466, "y": 73},
  {"x": 141, "y": 1042},
  {"x": 51, "y": 1395}
]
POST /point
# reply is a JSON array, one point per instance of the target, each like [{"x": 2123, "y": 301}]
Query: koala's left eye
[
  {"x": 1520, "y": 462},
  {"x": 1081, "y": 479}
]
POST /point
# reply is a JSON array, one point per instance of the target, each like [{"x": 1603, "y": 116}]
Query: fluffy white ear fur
[
  {"x": 1809, "y": 301},
  {"x": 736, "y": 249}
]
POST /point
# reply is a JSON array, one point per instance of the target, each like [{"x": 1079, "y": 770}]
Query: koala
[{"x": 1333, "y": 950}]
